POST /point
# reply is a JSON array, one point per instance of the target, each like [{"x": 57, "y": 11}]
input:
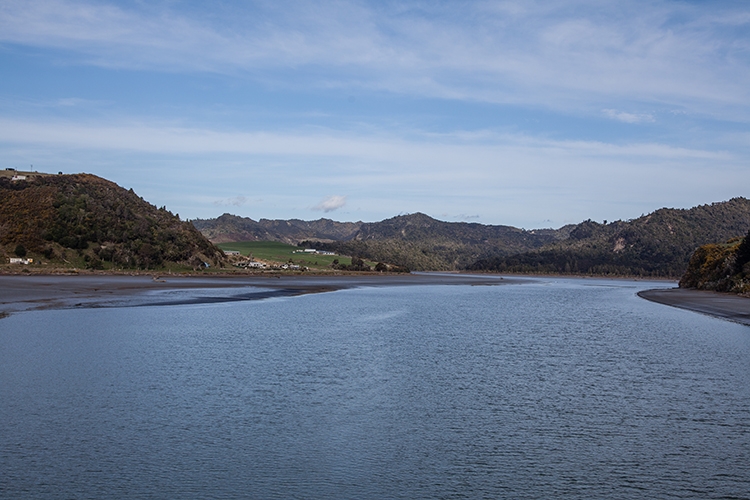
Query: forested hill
[
  {"x": 85, "y": 220},
  {"x": 228, "y": 228},
  {"x": 657, "y": 244},
  {"x": 420, "y": 242}
]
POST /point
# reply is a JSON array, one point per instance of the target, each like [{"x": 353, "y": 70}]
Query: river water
[{"x": 554, "y": 388}]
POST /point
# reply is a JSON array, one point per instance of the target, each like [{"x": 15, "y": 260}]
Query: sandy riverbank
[
  {"x": 23, "y": 293},
  {"x": 721, "y": 305}
]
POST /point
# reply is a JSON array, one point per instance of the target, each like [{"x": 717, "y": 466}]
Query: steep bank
[{"x": 721, "y": 267}]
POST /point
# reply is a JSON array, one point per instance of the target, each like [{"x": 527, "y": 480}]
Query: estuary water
[{"x": 554, "y": 388}]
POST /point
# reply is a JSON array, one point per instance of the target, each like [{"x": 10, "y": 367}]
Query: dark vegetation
[
  {"x": 85, "y": 219},
  {"x": 422, "y": 243},
  {"x": 659, "y": 244},
  {"x": 723, "y": 267},
  {"x": 231, "y": 228}
]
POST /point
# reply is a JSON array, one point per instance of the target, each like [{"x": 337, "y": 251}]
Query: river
[{"x": 549, "y": 388}]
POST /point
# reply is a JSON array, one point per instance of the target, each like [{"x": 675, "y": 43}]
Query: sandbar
[
  {"x": 721, "y": 305},
  {"x": 35, "y": 292}
]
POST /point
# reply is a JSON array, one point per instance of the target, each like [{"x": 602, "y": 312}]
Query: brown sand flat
[
  {"x": 721, "y": 305},
  {"x": 22, "y": 293}
]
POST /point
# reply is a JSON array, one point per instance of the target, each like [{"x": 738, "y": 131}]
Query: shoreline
[
  {"x": 719, "y": 305},
  {"x": 32, "y": 292},
  {"x": 29, "y": 292}
]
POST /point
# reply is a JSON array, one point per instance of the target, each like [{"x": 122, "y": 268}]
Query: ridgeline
[
  {"x": 228, "y": 228},
  {"x": 655, "y": 245},
  {"x": 85, "y": 221},
  {"x": 658, "y": 244}
]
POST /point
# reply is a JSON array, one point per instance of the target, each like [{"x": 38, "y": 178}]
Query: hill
[
  {"x": 85, "y": 220},
  {"x": 420, "y": 242},
  {"x": 657, "y": 244}
]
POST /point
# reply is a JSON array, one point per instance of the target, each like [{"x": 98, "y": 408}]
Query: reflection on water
[{"x": 563, "y": 389}]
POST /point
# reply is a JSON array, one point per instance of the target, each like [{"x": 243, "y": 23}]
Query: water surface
[{"x": 554, "y": 388}]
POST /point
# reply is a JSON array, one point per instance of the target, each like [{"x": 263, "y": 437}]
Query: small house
[{"x": 20, "y": 260}]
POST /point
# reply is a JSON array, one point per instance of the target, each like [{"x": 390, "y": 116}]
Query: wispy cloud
[
  {"x": 422, "y": 148},
  {"x": 330, "y": 204},
  {"x": 465, "y": 218},
  {"x": 664, "y": 64},
  {"x": 566, "y": 54},
  {"x": 236, "y": 201},
  {"x": 628, "y": 117}
]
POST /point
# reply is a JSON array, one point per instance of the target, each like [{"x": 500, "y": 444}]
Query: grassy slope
[{"x": 277, "y": 252}]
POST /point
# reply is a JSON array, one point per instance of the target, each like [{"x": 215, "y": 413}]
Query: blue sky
[{"x": 532, "y": 114}]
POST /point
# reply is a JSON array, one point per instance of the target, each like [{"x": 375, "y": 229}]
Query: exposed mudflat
[
  {"x": 21, "y": 293},
  {"x": 721, "y": 305}
]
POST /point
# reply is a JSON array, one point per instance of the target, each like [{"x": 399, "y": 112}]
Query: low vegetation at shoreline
[{"x": 722, "y": 267}]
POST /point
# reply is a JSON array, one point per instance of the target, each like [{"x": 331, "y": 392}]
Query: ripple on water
[{"x": 565, "y": 389}]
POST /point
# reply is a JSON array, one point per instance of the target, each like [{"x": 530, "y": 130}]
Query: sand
[
  {"x": 721, "y": 305},
  {"x": 33, "y": 292}
]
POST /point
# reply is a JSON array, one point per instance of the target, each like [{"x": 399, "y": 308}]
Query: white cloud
[
  {"x": 466, "y": 218},
  {"x": 377, "y": 146},
  {"x": 628, "y": 117},
  {"x": 562, "y": 55},
  {"x": 237, "y": 201},
  {"x": 508, "y": 178},
  {"x": 330, "y": 203}
]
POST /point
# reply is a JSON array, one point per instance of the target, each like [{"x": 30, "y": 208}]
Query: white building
[{"x": 19, "y": 260}]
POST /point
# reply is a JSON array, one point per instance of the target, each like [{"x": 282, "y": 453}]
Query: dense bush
[
  {"x": 720, "y": 267},
  {"x": 98, "y": 219}
]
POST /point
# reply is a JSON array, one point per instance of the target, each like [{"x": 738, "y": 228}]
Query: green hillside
[
  {"x": 657, "y": 244},
  {"x": 85, "y": 221},
  {"x": 277, "y": 252},
  {"x": 422, "y": 243}
]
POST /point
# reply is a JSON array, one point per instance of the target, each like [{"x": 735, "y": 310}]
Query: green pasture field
[{"x": 274, "y": 251}]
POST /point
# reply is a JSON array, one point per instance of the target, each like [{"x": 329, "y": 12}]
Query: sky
[{"x": 523, "y": 113}]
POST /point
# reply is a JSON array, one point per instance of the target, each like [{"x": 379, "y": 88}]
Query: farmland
[{"x": 277, "y": 252}]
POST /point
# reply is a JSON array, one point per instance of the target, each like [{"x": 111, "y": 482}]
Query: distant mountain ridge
[
  {"x": 421, "y": 242},
  {"x": 228, "y": 228},
  {"x": 657, "y": 244}
]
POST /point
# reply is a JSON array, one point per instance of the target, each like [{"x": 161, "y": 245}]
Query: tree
[{"x": 20, "y": 251}]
